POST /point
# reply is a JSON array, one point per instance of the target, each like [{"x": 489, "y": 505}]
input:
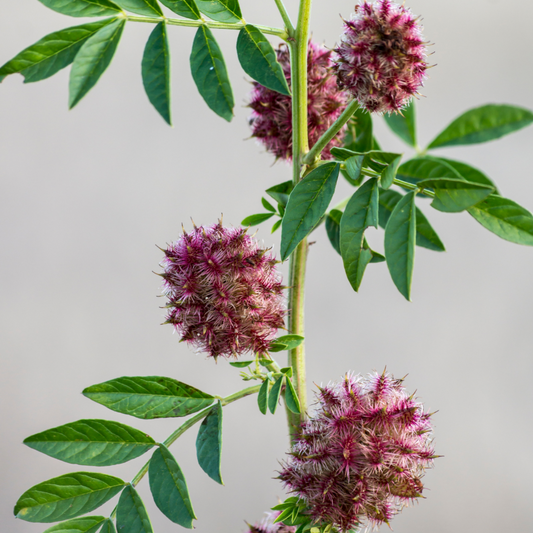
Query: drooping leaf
[
  {"x": 209, "y": 443},
  {"x": 483, "y": 124},
  {"x": 267, "y": 205},
  {"x": 92, "y": 442},
  {"x": 307, "y": 203},
  {"x": 273, "y": 397},
  {"x": 108, "y": 527},
  {"x": 131, "y": 513},
  {"x": 426, "y": 236},
  {"x": 468, "y": 172},
  {"x": 149, "y": 397},
  {"x": 359, "y": 136},
  {"x": 210, "y": 75},
  {"x": 291, "y": 398},
  {"x": 67, "y": 496},
  {"x": 333, "y": 228},
  {"x": 258, "y": 59},
  {"x": 52, "y": 53},
  {"x": 400, "y": 238},
  {"x": 291, "y": 341},
  {"x": 92, "y": 60},
  {"x": 85, "y": 524},
  {"x": 254, "y": 220},
  {"x": 281, "y": 192},
  {"x": 404, "y": 124},
  {"x": 149, "y": 8},
  {"x": 360, "y": 213},
  {"x": 184, "y": 8},
  {"x": 505, "y": 218},
  {"x": 169, "y": 488},
  {"x": 156, "y": 71},
  {"x": 83, "y": 8},
  {"x": 353, "y": 168},
  {"x": 262, "y": 397},
  {"x": 389, "y": 173},
  {"x": 453, "y": 196},
  {"x": 221, "y": 10}
]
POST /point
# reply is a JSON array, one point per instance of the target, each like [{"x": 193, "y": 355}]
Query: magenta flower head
[
  {"x": 381, "y": 57},
  {"x": 267, "y": 525},
  {"x": 271, "y": 119},
  {"x": 361, "y": 457},
  {"x": 224, "y": 291}
]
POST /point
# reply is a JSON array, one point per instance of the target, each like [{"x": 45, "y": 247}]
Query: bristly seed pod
[
  {"x": 381, "y": 57},
  {"x": 362, "y": 455},
  {"x": 224, "y": 292},
  {"x": 271, "y": 119}
]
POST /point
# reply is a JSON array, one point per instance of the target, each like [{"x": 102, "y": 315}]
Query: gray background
[{"x": 87, "y": 194}]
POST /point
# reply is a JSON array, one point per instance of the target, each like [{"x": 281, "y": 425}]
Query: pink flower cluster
[
  {"x": 224, "y": 292},
  {"x": 381, "y": 57},
  {"x": 361, "y": 457},
  {"x": 271, "y": 119},
  {"x": 267, "y": 525}
]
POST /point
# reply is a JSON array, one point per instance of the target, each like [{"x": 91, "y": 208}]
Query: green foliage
[
  {"x": 422, "y": 168},
  {"x": 505, "y": 218},
  {"x": 108, "y": 527},
  {"x": 307, "y": 204},
  {"x": 149, "y": 397},
  {"x": 148, "y": 8},
  {"x": 426, "y": 236},
  {"x": 209, "y": 73},
  {"x": 92, "y": 442},
  {"x": 241, "y": 364},
  {"x": 468, "y": 172},
  {"x": 169, "y": 488},
  {"x": 273, "y": 397},
  {"x": 131, "y": 513},
  {"x": 83, "y": 8},
  {"x": 483, "y": 124},
  {"x": 52, "y": 53},
  {"x": 360, "y": 213},
  {"x": 67, "y": 496},
  {"x": 258, "y": 59},
  {"x": 209, "y": 443},
  {"x": 333, "y": 230},
  {"x": 86, "y": 524},
  {"x": 453, "y": 196},
  {"x": 404, "y": 124},
  {"x": 221, "y": 10},
  {"x": 281, "y": 192},
  {"x": 290, "y": 341},
  {"x": 359, "y": 132},
  {"x": 184, "y": 8},
  {"x": 291, "y": 398},
  {"x": 262, "y": 397},
  {"x": 400, "y": 238},
  {"x": 254, "y": 220},
  {"x": 268, "y": 206},
  {"x": 92, "y": 60},
  {"x": 156, "y": 71}
]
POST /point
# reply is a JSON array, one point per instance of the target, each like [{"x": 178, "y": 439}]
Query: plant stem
[
  {"x": 345, "y": 116},
  {"x": 413, "y": 187},
  {"x": 278, "y": 32},
  {"x": 285, "y": 17}
]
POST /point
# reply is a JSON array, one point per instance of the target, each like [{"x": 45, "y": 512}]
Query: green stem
[
  {"x": 413, "y": 187},
  {"x": 312, "y": 155},
  {"x": 278, "y": 32},
  {"x": 285, "y": 17}
]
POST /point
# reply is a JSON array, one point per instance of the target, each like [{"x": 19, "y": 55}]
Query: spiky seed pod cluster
[
  {"x": 267, "y": 525},
  {"x": 381, "y": 56},
  {"x": 361, "y": 457},
  {"x": 271, "y": 119},
  {"x": 224, "y": 291}
]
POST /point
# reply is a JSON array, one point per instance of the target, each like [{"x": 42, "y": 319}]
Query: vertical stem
[{"x": 300, "y": 146}]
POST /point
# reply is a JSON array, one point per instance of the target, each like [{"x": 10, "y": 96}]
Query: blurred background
[{"x": 87, "y": 195}]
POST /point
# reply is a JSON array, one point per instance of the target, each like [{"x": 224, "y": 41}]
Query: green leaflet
[
  {"x": 333, "y": 230},
  {"x": 184, "y": 8},
  {"x": 221, "y": 10},
  {"x": 291, "y": 398},
  {"x": 209, "y": 443},
  {"x": 359, "y": 137},
  {"x": 149, "y": 397},
  {"x": 67, "y": 496},
  {"x": 307, "y": 203},
  {"x": 483, "y": 124},
  {"x": 273, "y": 397},
  {"x": 92, "y": 442},
  {"x": 453, "y": 196},
  {"x": 267, "y": 205},
  {"x": 400, "y": 238},
  {"x": 291, "y": 341},
  {"x": 156, "y": 71},
  {"x": 425, "y": 234},
  {"x": 149, "y": 8},
  {"x": 52, "y": 53},
  {"x": 92, "y": 60},
  {"x": 281, "y": 192},
  {"x": 108, "y": 527},
  {"x": 360, "y": 213},
  {"x": 404, "y": 124},
  {"x": 262, "y": 397},
  {"x": 241, "y": 364},
  {"x": 258, "y": 59},
  {"x": 422, "y": 168},
  {"x": 505, "y": 218},
  {"x": 210, "y": 75},
  {"x": 131, "y": 513},
  {"x": 83, "y": 8},
  {"x": 169, "y": 488},
  {"x": 86, "y": 524},
  {"x": 468, "y": 172},
  {"x": 254, "y": 220}
]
